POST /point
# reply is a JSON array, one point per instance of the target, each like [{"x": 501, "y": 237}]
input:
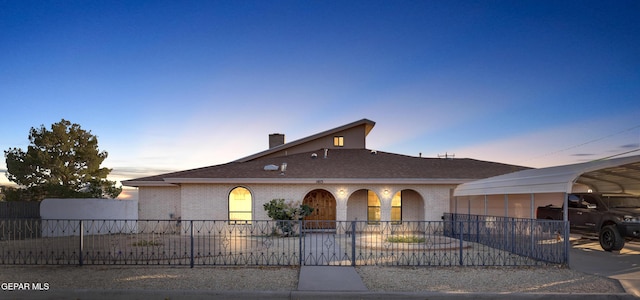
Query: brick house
[{"x": 332, "y": 171}]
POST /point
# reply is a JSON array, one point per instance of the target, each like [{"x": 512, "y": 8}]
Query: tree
[{"x": 63, "y": 162}]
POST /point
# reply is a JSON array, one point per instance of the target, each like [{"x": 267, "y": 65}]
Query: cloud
[{"x": 630, "y": 146}]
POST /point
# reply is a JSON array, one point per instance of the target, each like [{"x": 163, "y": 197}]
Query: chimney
[{"x": 276, "y": 139}]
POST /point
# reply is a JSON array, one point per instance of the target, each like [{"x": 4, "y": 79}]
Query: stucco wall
[{"x": 59, "y": 216}]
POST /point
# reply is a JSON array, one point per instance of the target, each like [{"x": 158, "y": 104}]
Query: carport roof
[{"x": 619, "y": 175}]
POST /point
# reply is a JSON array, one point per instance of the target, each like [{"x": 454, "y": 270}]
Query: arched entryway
[{"x": 324, "y": 210}]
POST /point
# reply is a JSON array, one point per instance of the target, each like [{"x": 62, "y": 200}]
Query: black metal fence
[
  {"x": 521, "y": 237},
  {"x": 20, "y": 209},
  {"x": 453, "y": 242}
]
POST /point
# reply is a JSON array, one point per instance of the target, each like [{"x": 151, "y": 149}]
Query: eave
[{"x": 284, "y": 180}]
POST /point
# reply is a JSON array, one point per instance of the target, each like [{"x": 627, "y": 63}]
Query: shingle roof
[{"x": 343, "y": 164}]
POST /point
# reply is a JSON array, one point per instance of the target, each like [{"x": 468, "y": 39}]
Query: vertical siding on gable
[{"x": 354, "y": 138}]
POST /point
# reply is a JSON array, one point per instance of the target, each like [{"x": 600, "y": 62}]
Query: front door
[{"x": 324, "y": 210}]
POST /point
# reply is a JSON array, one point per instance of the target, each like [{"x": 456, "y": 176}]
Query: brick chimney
[{"x": 276, "y": 139}]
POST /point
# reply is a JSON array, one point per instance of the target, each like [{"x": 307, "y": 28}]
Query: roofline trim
[
  {"x": 146, "y": 183},
  {"x": 285, "y": 180}
]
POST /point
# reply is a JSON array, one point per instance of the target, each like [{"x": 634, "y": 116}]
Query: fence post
[
  {"x": 567, "y": 245},
  {"x": 513, "y": 235},
  {"x": 353, "y": 243},
  {"x": 300, "y": 243},
  {"x": 461, "y": 238},
  {"x": 81, "y": 245},
  {"x": 191, "y": 234},
  {"x": 478, "y": 229}
]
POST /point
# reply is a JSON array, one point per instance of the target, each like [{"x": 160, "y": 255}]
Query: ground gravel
[
  {"x": 376, "y": 278},
  {"x": 485, "y": 280}
]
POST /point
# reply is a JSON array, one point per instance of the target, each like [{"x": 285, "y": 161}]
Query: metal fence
[
  {"x": 453, "y": 242},
  {"x": 542, "y": 240}
]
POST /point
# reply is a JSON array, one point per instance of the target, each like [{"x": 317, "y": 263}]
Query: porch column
[
  {"x": 385, "y": 196},
  {"x": 341, "y": 214}
]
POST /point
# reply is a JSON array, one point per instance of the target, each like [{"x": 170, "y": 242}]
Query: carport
[{"x": 518, "y": 194}]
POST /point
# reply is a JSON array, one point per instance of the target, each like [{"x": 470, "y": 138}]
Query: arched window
[
  {"x": 373, "y": 207},
  {"x": 240, "y": 204},
  {"x": 396, "y": 208}
]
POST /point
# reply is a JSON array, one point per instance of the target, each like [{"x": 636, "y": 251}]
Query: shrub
[
  {"x": 285, "y": 212},
  {"x": 406, "y": 239}
]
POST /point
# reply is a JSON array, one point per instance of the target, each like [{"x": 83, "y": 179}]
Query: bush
[
  {"x": 405, "y": 239},
  {"x": 285, "y": 212}
]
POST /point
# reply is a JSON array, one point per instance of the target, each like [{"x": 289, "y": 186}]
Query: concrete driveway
[{"x": 587, "y": 256}]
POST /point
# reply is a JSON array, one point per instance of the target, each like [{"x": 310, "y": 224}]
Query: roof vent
[
  {"x": 283, "y": 168},
  {"x": 374, "y": 152},
  {"x": 271, "y": 168},
  {"x": 314, "y": 155},
  {"x": 326, "y": 152},
  {"x": 446, "y": 156}
]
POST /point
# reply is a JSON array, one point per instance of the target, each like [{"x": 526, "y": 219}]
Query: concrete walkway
[{"x": 330, "y": 278}]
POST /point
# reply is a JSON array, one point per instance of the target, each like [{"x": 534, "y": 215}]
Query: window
[
  {"x": 396, "y": 208},
  {"x": 338, "y": 141},
  {"x": 240, "y": 204},
  {"x": 373, "y": 208}
]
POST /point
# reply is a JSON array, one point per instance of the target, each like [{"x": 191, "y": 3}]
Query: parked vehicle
[{"x": 613, "y": 217}]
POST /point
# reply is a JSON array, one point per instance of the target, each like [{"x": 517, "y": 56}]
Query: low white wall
[{"x": 118, "y": 216}]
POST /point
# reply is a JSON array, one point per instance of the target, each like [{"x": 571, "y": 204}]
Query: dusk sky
[{"x": 173, "y": 85}]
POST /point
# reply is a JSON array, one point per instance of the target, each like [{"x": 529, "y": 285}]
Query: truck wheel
[{"x": 610, "y": 238}]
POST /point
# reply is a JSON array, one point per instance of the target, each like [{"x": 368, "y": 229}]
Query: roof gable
[{"x": 355, "y": 134}]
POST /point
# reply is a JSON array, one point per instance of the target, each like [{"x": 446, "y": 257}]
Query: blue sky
[{"x": 171, "y": 85}]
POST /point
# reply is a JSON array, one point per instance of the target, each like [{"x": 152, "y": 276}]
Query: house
[{"x": 332, "y": 171}]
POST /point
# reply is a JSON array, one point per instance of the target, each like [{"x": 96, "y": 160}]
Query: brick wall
[
  {"x": 158, "y": 203},
  {"x": 210, "y": 201}
]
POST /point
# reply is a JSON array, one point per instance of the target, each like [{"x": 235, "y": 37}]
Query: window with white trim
[{"x": 240, "y": 204}]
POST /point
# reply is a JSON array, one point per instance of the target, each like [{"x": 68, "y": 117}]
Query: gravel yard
[{"x": 389, "y": 279}]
